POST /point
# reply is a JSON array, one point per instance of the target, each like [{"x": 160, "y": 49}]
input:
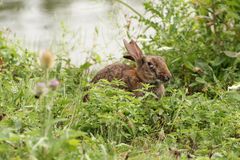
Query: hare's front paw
[{"x": 159, "y": 91}]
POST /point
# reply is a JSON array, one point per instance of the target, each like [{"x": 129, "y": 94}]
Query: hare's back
[{"x": 110, "y": 72}]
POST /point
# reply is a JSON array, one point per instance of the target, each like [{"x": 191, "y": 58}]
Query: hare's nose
[{"x": 166, "y": 78}]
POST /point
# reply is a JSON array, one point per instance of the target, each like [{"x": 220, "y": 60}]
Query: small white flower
[{"x": 40, "y": 89}]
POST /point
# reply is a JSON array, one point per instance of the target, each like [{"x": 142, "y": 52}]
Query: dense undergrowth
[{"x": 198, "y": 118}]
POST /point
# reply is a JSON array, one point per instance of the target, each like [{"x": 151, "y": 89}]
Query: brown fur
[
  {"x": 149, "y": 69},
  {"x": 122, "y": 72}
]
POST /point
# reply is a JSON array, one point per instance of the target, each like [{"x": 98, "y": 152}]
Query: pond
[{"x": 41, "y": 23}]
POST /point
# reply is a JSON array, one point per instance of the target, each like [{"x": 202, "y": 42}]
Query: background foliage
[
  {"x": 202, "y": 38},
  {"x": 197, "y": 119}
]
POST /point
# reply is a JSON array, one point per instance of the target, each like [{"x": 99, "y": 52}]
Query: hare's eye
[{"x": 150, "y": 65}]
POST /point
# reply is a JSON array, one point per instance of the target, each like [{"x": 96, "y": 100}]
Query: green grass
[{"x": 113, "y": 124}]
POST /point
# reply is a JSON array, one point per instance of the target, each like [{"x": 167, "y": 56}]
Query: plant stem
[
  {"x": 46, "y": 75},
  {"x": 129, "y": 7}
]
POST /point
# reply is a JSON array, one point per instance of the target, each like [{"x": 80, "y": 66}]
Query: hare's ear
[
  {"x": 133, "y": 51},
  {"x": 129, "y": 57}
]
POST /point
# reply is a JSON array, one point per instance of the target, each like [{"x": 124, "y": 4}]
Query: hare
[{"x": 149, "y": 69}]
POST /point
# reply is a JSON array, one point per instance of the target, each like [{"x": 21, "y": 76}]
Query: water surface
[{"x": 92, "y": 23}]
